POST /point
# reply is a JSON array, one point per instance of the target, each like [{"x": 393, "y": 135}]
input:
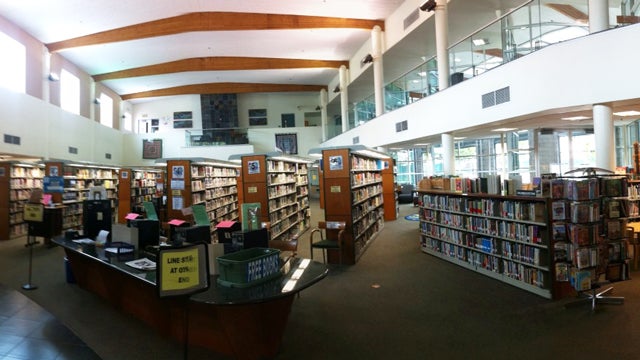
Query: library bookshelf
[
  {"x": 503, "y": 237},
  {"x": 17, "y": 180},
  {"x": 358, "y": 189},
  {"x": 136, "y": 186},
  {"x": 212, "y": 183},
  {"x": 78, "y": 179},
  {"x": 280, "y": 184}
]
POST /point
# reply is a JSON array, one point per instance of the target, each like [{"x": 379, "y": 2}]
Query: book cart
[{"x": 503, "y": 237}]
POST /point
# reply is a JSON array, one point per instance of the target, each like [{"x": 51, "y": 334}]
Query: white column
[
  {"x": 378, "y": 74},
  {"x": 598, "y": 15},
  {"x": 344, "y": 99},
  {"x": 604, "y": 134},
  {"x": 46, "y": 93},
  {"x": 448, "y": 158},
  {"x": 442, "y": 42},
  {"x": 324, "y": 100}
]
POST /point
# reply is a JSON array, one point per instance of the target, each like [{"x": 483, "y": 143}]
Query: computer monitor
[
  {"x": 192, "y": 234},
  {"x": 96, "y": 216},
  {"x": 148, "y": 233}
]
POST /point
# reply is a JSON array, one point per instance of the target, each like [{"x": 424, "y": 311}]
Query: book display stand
[{"x": 594, "y": 252}]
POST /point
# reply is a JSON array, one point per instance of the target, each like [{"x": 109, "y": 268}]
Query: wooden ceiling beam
[
  {"x": 570, "y": 11},
  {"x": 223, "y": 88},
  {"x": 221, "y": 63},
  {"x": 213, "y": 21}
]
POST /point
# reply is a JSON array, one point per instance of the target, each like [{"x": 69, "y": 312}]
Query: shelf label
[
  {"x": 252, "y": 189},
  {"x": 176, "y": 192},
  {"x": 53, "y": 184},
  {"x": 336, "y": 189}
]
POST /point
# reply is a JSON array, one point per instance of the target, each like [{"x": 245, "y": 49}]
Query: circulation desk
[{"x": 246, "y": 323}]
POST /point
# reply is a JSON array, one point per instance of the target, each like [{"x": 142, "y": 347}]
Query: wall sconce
[
  {"x": 54, "y": 77},
  {"x": 367, "y": 59},
  {"x": 336, "y": 89},
  {"x": 429, "y": 5},
  {"x": 96, "y": 101}
]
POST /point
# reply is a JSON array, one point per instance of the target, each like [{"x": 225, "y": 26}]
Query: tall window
[
  {"x": 69, "y": 92},
  {"x": 106, "y": 110},
  {"x": 13, "y": 68}
]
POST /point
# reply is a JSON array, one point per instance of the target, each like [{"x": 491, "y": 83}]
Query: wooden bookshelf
[
  {"x": 17, "y": 180},
  {"x": 212, "y": 183},
  {"x": 78, "y": 180},
  {"x": 136, "y": 186},
  {"x": 281, "y": 185},
  {"x": 358, "y": 190},
  {"x": 503, "y": 237}
]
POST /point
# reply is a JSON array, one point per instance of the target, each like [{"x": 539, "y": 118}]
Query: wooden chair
[{"x": 325, "y": 243}]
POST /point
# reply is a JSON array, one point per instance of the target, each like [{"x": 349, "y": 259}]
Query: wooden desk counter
[{"x": 246, "y": 323}]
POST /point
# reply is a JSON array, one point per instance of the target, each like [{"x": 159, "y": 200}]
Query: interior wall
[
  {"x": 264, "y": 140},
  {"x": 276, "y": 104},
  {"x": 547, "y": 79}
]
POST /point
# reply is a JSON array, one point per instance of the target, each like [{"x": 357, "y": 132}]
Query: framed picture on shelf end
[
  {"x": 287, "y": 143},
  {"x": 152, "y": 149}
]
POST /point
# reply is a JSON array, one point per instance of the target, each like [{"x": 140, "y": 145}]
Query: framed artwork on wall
[
  {"x": 257, "y": 117},
  {"x": 287, "y": 143},
  {"x": 152, "y": 149}
]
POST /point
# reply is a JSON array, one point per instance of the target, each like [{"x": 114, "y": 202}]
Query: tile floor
[{"x": 27, "y": 331}]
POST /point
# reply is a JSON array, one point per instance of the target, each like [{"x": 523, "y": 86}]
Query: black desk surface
[{"x": 217, "y": 294}]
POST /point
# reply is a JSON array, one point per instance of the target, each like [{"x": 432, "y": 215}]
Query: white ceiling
[{"x": 58, "y": 20}]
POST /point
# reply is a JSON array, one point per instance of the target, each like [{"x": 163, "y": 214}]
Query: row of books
[
  {"x": 503, "y": 208},
  {"x": 586, "y": 188},
  {"x": 489, "y": 184}
]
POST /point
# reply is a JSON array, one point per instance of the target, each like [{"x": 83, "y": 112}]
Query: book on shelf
[
  {"x": 557, "y": 188},
  {"x": 581, "y": 280},
  {"x": 614, "y": 186},
  {"x": 562, "y": 271},
  {"x": 559, "y": 210},
  {"x": 559, "y": 231},
  {"x": 562, "y": 251}
]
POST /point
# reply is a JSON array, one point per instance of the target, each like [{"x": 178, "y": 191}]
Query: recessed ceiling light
[
  {"x": 422, "y": 144},
  {"x": 575, "y": 118},
  {"x": 504, "y": 129},
  {"x": 459, "y": 138},
  {"x": 627, "y": 113}
]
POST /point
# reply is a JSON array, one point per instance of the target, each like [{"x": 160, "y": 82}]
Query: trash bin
[{"x": 68, "y": 272}]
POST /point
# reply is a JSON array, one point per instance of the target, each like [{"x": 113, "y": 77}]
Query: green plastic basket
[{"x": 248, "y": 267}]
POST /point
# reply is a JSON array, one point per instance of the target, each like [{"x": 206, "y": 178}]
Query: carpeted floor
[{"x": 395, "y": 303}]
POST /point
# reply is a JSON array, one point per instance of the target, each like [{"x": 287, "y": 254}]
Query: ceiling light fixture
[
  {"x": 575, "y": 118},
  {"x": 627, "y": 113},
  {"x": 54, "y": 77},
  {"x": 504, "y": 129},
  {"x": 480, "y": 42},
  {"x": 428, "y": 5},
  {"x": 336, "y": 89}
]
